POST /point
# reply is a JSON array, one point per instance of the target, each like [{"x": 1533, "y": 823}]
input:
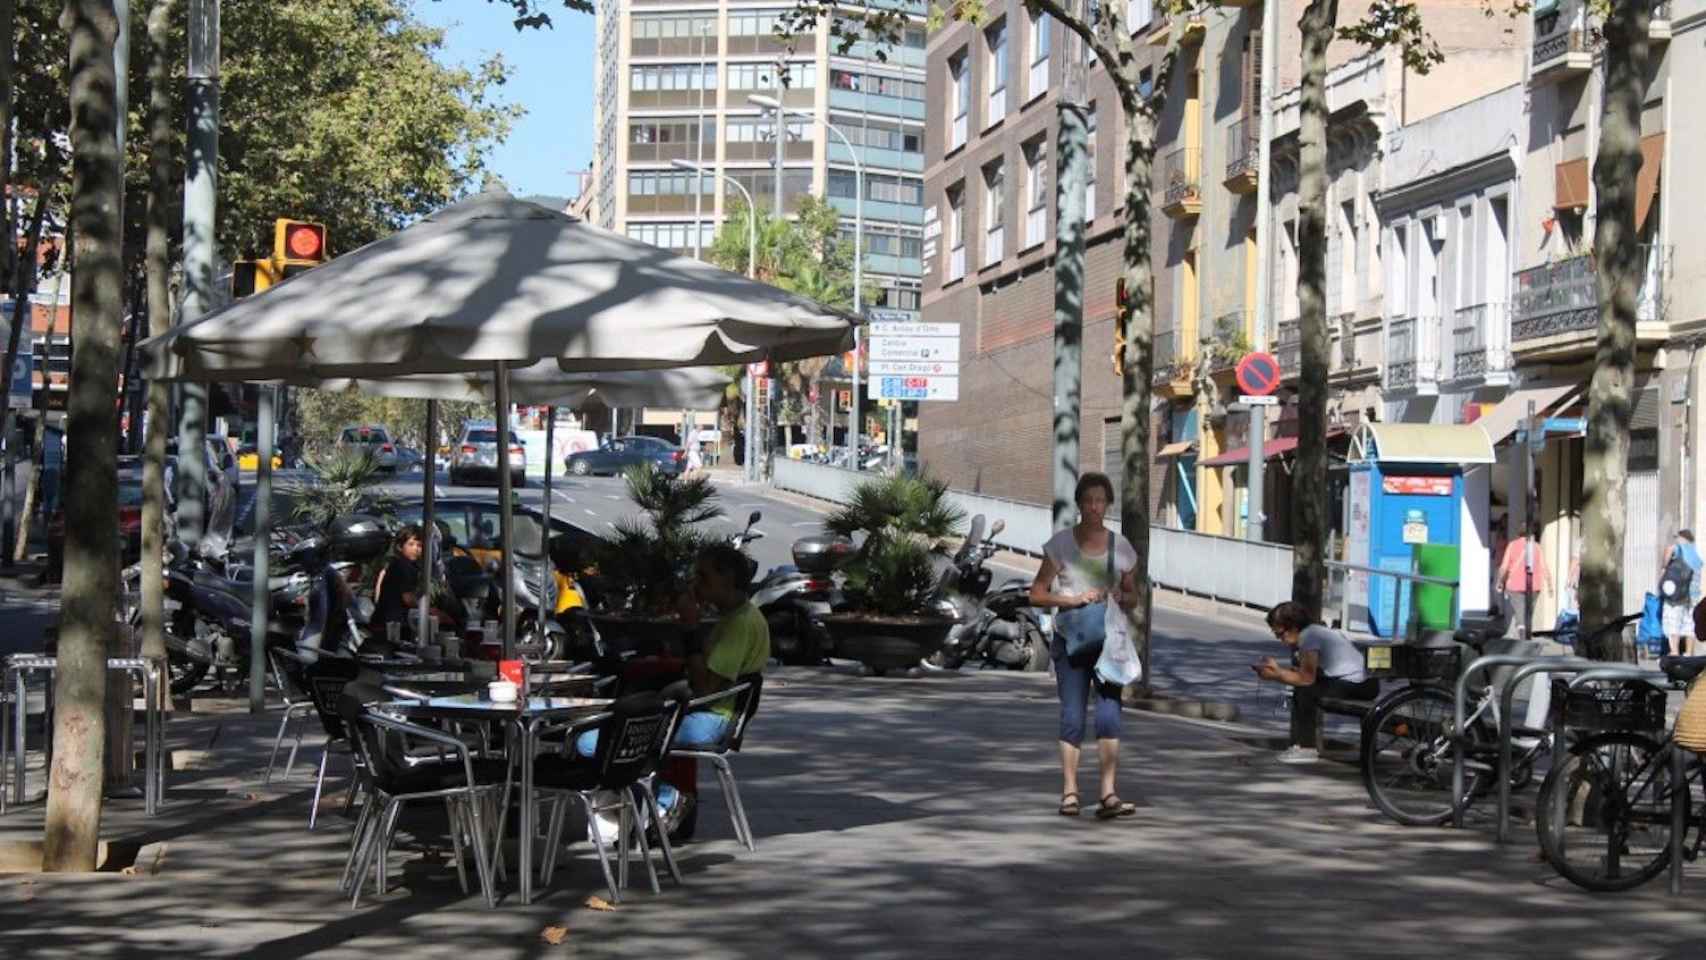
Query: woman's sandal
[
  {"x": 1069, "y": 805},
  {"x": 1118, "y": 808}
]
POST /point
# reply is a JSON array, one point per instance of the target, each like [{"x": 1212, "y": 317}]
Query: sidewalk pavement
[{"x": 894, "y": 818}]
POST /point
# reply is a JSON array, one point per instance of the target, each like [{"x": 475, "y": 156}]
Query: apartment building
[
  {"x": 989, "y": 248},
  {"x": 1555, "y": 293},
  {"x": 673, "y": 81},
  {"x": 1210, "y": 142}
]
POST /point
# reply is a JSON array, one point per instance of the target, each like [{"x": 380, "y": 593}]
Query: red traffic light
[{"x": 299, "y": 240}]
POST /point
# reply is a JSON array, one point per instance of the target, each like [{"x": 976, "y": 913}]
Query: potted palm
[
  {"x": 891, "y": 618},
  {"x": 643, "y": 567}
]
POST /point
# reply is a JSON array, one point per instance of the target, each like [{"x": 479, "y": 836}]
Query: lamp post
[
  {"x": 752, "y": 274},
  {"x": 699, "y": 153},
  {"x": 858, "y": 248}
]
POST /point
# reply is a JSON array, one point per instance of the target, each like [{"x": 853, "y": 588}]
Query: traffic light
[{"x": 297, "y": 245}]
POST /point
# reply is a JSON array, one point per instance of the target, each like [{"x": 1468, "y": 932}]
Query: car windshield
[{"x": 482, "y": 436}]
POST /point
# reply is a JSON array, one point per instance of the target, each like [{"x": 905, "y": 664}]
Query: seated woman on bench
[{"x": 1328, "y": 665}]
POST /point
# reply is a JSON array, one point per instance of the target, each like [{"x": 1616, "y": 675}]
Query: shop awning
[
  {"x": 1177, "y": 449},
  {"x": 1271, "y": 450},
  {"x": 1460, "y": 444},
  {"x": 1501, "y": 421}
]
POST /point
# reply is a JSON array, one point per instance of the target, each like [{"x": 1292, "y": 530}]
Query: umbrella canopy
[
  {"x": 693, "y": 388},
  {"x": 498, "y": 279}
]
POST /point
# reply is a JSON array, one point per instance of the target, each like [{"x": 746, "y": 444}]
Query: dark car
[{"x": 618, "y": 454}]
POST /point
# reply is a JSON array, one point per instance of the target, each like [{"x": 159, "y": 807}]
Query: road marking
[
  {"x": 565, "y": 496},
  {"x": 611, "y": 496},
  {"x": 589, "y": 512},
  {"x": 610, "y": 525},
  {"x": 805, "y": 523}
]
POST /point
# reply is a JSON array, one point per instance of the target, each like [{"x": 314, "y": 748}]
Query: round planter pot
[{"x": 887, "y": 643}]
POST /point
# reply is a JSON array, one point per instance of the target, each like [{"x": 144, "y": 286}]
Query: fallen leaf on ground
[
  {"x": 599, "y": 903},
  {"x": 554, "y": 935}
]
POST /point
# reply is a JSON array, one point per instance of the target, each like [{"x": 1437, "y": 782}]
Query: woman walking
[{"x": 1078, "y": 575}]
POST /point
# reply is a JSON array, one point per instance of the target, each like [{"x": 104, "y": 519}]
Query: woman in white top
[{"x": 1075, "y": 575}]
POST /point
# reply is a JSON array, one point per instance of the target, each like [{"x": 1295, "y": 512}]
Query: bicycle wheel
[
  {"x": 1408, "y": 756},
  {"x": 1604, "y": 812}
]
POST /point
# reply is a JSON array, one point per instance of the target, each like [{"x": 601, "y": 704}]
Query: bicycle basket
[
  {"x": 1400, "y": 661},
  {"x": 1618, "y": 705}
]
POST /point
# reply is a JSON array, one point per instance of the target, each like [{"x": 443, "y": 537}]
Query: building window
[
  {"x": 1398, "y": 271},
  {"x": 1347, "y": 256},
  {"x": 994, "y": 213},
  {"x": 673, "y": 236},
  {"x": 959, "y": 80},
  {"x": 753, "y": 23},
  {"x": 995, "y": 38},
  {"x": 668, "y": 183},
  {"x": 758, "y": 130},
  {"x": 880, "y": 188},
  {"x": 876, "y": 85},
  {"x": 1138, "y": 13},
  {"x": 762, "y": 76},
  {"x": 1039, "y": 56},
  {"x": 955, "y": 230},
  {"x": 1090, "y": 166},
  {"x": 672, "y": 76},
  {"x": 1464, "y": 242},
  {"x": 1036, "y": 192}
]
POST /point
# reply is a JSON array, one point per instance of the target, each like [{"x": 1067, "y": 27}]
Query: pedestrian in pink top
[{"x": 1522, "y": 576}]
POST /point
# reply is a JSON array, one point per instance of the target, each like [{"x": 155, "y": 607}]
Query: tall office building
[{"x": 673, "y": 82}]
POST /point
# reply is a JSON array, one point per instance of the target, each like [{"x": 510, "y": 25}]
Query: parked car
[
  {"x": 373, "y": 440},
  {"x": 129, "y": 523},
  {"x": 618, "y": 454},
  {"x": 476, "y": 455},
  {"x": 410, "y": 460}
]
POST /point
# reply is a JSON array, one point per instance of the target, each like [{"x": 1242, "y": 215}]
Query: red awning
[{"x": 1272, "y": 449}]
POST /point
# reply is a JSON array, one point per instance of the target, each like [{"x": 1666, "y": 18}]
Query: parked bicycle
[
  {"x": 1604, "y": 816},
  {"x": 1410, "y": 746}
]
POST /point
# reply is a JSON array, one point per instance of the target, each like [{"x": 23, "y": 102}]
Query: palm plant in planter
[
  {"x": 890, "y": 619},
  {"x": 644, "y": 566}
]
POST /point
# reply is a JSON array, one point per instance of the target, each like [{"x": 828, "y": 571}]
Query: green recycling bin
[{"x": 1436, "y": 606}]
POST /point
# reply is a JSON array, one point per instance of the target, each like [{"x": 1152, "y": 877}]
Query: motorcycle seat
[{"x": 241, "y": 588}]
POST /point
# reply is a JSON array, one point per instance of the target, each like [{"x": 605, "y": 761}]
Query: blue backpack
[{"x": 1651, "y": 631}]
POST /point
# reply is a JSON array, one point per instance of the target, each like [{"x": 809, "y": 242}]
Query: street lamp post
[
  {"x": 858, "y": 250},
  {"x": 752, "y": 273}
]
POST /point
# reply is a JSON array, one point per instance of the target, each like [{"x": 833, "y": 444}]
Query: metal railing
[
  {"x": 1480, "y": 340},
  {"x": 1555, "y": 45},
  {"x": 1347, "y": 583},
  {"x": 1181, "y": 173},
  {"x": 1243, "y": 148},
  {"x": 1412, "y": 352},
  {"x": 1553, "y": 298}
]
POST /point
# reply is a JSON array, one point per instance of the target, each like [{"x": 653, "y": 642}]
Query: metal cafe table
[{"x": 526, "y": 717}]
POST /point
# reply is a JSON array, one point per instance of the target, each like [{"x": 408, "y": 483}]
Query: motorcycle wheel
[
  {"x": 186, "y": 674},
  {"x": 1036, "y": 650}
]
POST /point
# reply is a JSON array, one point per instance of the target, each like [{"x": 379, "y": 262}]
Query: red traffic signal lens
[{"x": 305, "y": 241}]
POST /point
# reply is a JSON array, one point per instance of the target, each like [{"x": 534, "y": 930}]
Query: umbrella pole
[
  {"x": 429, "y": 527},
  {"x": 506, "y": 519},
  {"x": 547, "y": 571}
]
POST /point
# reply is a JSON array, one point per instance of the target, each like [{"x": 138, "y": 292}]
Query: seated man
[
  {"x": 1328, "y": 665},
  {"x": 739, "y": 644}
]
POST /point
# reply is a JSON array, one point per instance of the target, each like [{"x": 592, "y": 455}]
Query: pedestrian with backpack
[{"x": 1680, "y": 592}]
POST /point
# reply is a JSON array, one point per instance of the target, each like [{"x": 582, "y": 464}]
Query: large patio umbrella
[{"x": 487, "y": 284}]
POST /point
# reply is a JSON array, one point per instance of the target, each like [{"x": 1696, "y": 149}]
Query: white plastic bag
[{"x": 1118, "y": 663}]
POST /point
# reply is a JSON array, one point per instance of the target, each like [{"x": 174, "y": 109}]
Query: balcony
[
  {"x": 1412, "y": 356},
  {"x": 1556, "y": 312},
  {"x": 1226, "y": 342},
  {"x": 1174, "y": 365},
  {"x": 1243, "y": 154},
  {"x": 1288, "y": 348},
  {"x": 878, "y": 103},
  {"x": 1181, "y": 175},
  {"x": 1561, "y": 53},
  {"x": 875, "y": 158},
  {"x": 1480, "y": 345}
]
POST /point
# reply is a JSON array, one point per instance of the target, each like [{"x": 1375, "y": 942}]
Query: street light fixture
[
  {"x": 752, "y": 274},
  {"x": 771, "y": 103}
]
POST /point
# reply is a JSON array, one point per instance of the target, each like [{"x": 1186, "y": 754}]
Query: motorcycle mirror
[
  {"x": 996, "y": 528},
  {"x": 754, "y": 518}
]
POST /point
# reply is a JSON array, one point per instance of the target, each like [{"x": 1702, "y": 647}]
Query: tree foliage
[{"x": 320, "y": 415}]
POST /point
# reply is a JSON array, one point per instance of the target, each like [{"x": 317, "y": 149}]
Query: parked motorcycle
[
  {"x": 795, "y": 598},
  {"x": 997, "y": 629}
]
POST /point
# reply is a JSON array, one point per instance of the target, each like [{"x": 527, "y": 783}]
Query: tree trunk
[
  {"x": 1309, "y": 483},
  {"x": 1139, "y": 367},
  {"x": 91, "y": 512},
  {"x": 1618, "y": 261},
  {"x": 157, "y": 267}
]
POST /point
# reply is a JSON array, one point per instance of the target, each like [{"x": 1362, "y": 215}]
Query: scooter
[
  {"x": 998, "y": 629},
  {"x": 796, "y": 598}
]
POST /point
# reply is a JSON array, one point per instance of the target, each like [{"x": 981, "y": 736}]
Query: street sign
[
  {"x": 915, "y": 348},
  {"x": 910, "y": 329},
  {"x": 914, "y": 368},
  {"x": 1261, "y": 401},
  {"x": 881, "y": 315},
  {"x": 917, "y": 388},
  {"x": 1258, "y": 374}
]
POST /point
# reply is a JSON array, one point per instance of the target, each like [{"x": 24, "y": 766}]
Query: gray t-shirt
[
  {"x": 1339, "y": 658},
  {"x": 1080, "y": 571}
]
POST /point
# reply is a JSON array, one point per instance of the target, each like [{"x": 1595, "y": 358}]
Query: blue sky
[{"x": 552, "y": 74}]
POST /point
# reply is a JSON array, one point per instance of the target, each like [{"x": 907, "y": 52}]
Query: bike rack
[
  {"x": 1679, "y": 798},
  {"x": 149, "y": 671},
  {"x": 1507, "y": 696},
  {"x": 1478, "y": 665}
]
